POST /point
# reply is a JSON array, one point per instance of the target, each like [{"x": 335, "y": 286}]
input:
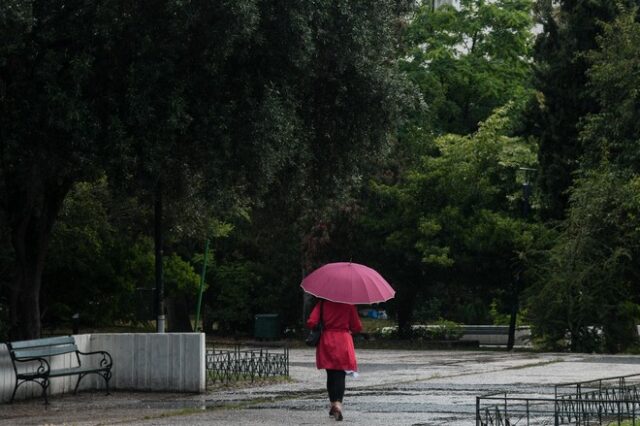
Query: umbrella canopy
[{"x": 346, "y": 282}]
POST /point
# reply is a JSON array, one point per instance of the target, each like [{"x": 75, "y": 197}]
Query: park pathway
[{"x": 395, "y": 387}]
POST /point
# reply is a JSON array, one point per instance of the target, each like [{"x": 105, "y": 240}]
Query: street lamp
[{"x": 515, "y": 303}]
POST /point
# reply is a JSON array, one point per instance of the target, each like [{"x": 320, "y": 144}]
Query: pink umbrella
[{"x": 346, "y": 282}]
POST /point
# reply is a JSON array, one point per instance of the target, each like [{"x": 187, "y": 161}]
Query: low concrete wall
[
  {"x": 145, "y": 361},
  {"x": 157, "y": 362},
  {"x": 485, "y": 335}
]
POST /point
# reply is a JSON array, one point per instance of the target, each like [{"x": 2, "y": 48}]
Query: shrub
[{"x": 441, "y": 330}]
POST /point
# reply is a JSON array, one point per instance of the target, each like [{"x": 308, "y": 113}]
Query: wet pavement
[{"x": 395, "y": 387}]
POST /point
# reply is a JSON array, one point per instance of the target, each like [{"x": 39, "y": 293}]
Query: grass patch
[
  {"x": 174, "y": 413},
  {"x": 243, "y": 384}
]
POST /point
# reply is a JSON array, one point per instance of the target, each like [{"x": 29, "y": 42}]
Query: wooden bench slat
[
  {"x": 43, "y": 351},
  {"x": 49, "y": 341},
  {"x": 74, "y": 370}
]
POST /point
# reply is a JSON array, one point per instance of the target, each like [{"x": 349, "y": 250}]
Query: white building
[{"x": 437, "y": 3}]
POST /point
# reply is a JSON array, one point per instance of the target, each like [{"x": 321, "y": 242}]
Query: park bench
[{"x": 32, "y": 361}]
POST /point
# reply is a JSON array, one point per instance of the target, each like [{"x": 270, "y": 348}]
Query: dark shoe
[
  {"x": 337, "y": 411},
  {"x": 332, "y": 412}
]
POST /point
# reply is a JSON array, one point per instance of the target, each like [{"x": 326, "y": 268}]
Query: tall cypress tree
[{"x": 569, "y": 31}]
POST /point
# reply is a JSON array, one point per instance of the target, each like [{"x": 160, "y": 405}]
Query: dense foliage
[
  {"x": 468, "y": 60},
  {"x": 282, "y": 103},
  {"x": 451, "y": 233},
  {"x": 486, "y": 166},
  {"x": 569, "y": 32},
  {"x": 586, "y": 290}
]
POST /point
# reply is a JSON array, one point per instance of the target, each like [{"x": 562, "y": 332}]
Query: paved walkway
[{"x": 395, "y": 387}]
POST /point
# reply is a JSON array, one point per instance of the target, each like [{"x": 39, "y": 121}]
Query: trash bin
[{"x": 267, "y": 326}]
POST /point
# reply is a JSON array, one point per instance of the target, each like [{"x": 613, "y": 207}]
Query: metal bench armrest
[
  {"x": 106, "y": 360},
  {"x": 43, "y": 369}
]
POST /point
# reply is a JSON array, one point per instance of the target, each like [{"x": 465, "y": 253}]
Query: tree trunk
[
  {"x": 27, "y": 312},
  {"x": 178, "y": 315},
  {"x": 207, "y": 319},
  {"x": 515, "y": 306},
  {"x": 32, "y": 212},
  {"x": 30, "y": 250},
  {"x": 406, "y": 300},
  {"x": 159, "y": 253}
]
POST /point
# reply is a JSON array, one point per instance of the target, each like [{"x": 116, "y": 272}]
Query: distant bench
[
  {"x": 496, "y": 335},
  {"x": 31, "y": 362},
  {"x": 486, "y": 335}
]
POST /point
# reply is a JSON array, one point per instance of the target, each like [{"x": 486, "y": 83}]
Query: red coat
[{"x": 335, "y": 350}]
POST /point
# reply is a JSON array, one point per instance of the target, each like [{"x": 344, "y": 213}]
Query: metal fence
[
  {"x": 226, "y": 365},
  {"x": 607, "y": 401},
  {"x": 610, "y": 399},
  {"x": 500, "y": 409}
]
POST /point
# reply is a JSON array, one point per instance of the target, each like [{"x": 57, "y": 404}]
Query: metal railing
[
  {"x": 607, "y": 401},
  {"x": 618, "y": 383},
  {"x": 611, "y": 399},
  {"x": 500, "y": 409},
  {"x": 226, "y": 365}
]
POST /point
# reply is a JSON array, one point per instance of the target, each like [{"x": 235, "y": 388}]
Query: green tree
[
  {"x": 93, "y": 88},
  {"x": 347, "y": 99},
  {"x": 463, "y": 63},
  {"x": 454, "y": 225},
  {"x": 48, "y": 130},
  {"x": 611, "y": 134},
  {"x": 586, "y": 284},
  {"x": 468, "y": 60},
  {"x": 237, "y": 294},
  {"x": 66, "y": 74},
  {"x": 569, "y": 32},
  {"x": 82, "y": 272},
  {"x": 282, "y": 98},
  {"x": 101, "y": 261},
  {"x": 585, "y": 291}
]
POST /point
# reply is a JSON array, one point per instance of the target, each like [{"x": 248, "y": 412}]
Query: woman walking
[{"x": 335, "y": 352}]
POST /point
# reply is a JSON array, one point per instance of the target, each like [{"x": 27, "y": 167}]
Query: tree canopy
[
  {"x": 586, "y": 285},
  {"x": 296, "y": 94},
  {"x": 468, "y": 60},
  {"x": 486, "y": 166}
]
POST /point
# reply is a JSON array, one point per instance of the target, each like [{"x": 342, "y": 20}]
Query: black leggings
[{"x": 335, "y": 385}]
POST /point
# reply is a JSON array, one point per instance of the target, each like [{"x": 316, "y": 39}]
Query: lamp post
[
  {"x": 516, "y": 284},
  {"x": 159, "y": 253},
  {"x": 527, "y": 189},
  {"x": 202, "y": 280}
]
